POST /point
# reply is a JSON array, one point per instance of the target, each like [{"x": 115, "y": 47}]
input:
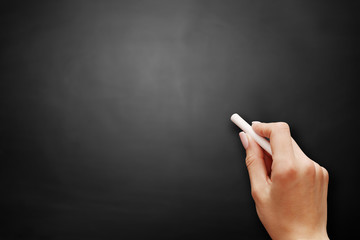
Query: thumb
[{"x": 255, "y": 162}]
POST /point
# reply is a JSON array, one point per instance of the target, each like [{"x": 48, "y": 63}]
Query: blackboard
[{"x": 115, "y": 114}]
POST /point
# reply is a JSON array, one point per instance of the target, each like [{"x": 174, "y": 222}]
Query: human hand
[{"x": 289, "y": 189}]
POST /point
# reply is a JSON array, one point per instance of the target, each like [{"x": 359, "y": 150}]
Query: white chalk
[{"x": 241, "y": 123}]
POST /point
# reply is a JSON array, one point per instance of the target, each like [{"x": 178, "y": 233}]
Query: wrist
[
  {"x": 322, "y": 236},
  {"x": 301, "y": 235}
]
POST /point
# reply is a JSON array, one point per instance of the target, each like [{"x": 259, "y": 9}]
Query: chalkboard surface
[{"x": 115, "y": 114}]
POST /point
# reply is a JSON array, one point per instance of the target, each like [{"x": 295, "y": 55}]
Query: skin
[{"x": 289, "y": 189}]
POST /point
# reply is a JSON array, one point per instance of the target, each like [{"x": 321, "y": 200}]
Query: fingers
[
  {"x": 280, "y": 139},
  {"x": 255, "y": 162}
]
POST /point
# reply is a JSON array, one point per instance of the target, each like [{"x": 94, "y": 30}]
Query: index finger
[{"x": 280, "y": 139}]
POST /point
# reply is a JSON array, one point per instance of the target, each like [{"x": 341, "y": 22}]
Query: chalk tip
[{"x": 235, "y": 115}]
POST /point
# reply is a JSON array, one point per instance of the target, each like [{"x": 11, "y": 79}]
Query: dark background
[{"x": 115, "y": 114}]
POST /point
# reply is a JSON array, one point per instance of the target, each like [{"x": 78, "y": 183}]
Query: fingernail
[
  {"x": 244, "y": 140},
  {"x": 254, "y": 122}
]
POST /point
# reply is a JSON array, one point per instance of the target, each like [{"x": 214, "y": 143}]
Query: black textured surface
[{"x": 115, "y": 114}]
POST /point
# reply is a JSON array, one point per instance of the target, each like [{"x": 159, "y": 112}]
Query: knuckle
[
  {"x": 286, "y": 173},
  {"x": 250, "y": 159},
  {"x": 283, "y": 126},
  {"x": 309, "y": 169},
  {"x": 256, "y": 194},
  {"x": 325, "y": 174},
  {"x": 290, "y": 172}
]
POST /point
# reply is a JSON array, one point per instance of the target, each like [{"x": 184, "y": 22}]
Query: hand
[{"x": 289, "y": 189}]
